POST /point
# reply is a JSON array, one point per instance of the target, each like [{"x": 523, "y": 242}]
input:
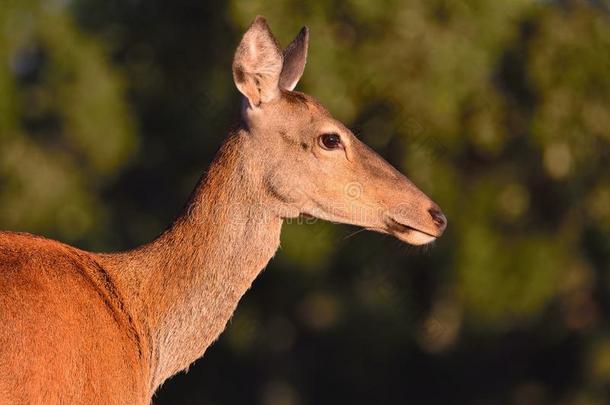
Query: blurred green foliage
[
  {"x": 65, "y": 127},
  {"x": 500, "y": 111}
]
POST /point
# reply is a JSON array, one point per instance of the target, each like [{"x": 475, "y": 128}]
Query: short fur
[{"x": 85, "y": 328}]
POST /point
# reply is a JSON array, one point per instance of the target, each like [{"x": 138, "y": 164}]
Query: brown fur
[
  {"x": 79, "y": 327},
  {"x": 65, "y": 336}
]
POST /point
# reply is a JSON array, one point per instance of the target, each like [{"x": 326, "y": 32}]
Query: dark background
[{"x": 110, "y": 110}]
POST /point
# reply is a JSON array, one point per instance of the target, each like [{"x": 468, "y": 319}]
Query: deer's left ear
[
  {"x": 295, "y": 57},
  {"x": 257, "y": 64}
]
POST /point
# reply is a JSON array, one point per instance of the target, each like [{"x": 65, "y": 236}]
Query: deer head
[{"x": 310, "y": 163}]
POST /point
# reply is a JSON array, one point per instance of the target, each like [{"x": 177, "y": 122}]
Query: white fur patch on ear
[
  {"x": 257, "y": 64},
  {"x": 295, "y": 58}
]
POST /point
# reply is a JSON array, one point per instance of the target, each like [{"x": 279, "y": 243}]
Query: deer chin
[
  {"x": 414, "y": 237},
  {"x": 409, "y": 234}
]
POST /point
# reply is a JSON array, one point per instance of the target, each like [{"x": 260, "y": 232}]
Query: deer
[{"x": 87, "y": 328}]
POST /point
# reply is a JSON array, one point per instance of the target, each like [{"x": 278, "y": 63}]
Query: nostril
[{"x": 439, "y": 218}]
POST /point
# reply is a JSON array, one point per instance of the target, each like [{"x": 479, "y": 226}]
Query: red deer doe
[{"x": 88, "y": 328}]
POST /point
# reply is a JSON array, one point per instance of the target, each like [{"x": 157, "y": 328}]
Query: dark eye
[{"x": 330, "y": 141}]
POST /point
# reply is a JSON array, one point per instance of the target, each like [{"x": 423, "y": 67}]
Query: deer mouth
[{"x": 409, "y": 234}]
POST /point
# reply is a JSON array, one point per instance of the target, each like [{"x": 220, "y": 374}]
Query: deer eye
[{"x": 330, "y": 141}]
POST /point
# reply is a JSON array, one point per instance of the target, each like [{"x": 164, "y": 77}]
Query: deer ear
[
  {"x": 295, "y": 57},
  {"x": 257, "y": 64}
]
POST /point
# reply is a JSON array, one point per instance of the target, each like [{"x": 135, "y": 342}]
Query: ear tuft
[
  {"x": 257, "y": 64},
  {"x": 295, "y": 58},
  {"x": 261, "y": 22}
]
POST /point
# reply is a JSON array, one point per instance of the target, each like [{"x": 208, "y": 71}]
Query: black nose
[{"x": 439, "y": 219}]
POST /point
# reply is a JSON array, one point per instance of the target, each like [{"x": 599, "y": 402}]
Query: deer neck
[{"x": 187, "y": 283}]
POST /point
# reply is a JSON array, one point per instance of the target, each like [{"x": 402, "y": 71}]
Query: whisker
[{"x": 354, "y": 233}]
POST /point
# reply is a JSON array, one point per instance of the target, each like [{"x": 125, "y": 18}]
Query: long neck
[{"x": 186, "y": 284}]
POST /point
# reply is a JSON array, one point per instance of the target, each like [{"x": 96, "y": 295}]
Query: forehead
[{"x": 304, "y": 102}]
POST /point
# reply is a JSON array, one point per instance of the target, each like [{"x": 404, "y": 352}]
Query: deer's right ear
[
  {"x": 257, "y": 64},
  {"x": 295, "y": 57}
]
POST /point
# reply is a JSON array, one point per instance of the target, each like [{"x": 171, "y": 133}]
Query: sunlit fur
[{"x": 85, "y": 328}]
